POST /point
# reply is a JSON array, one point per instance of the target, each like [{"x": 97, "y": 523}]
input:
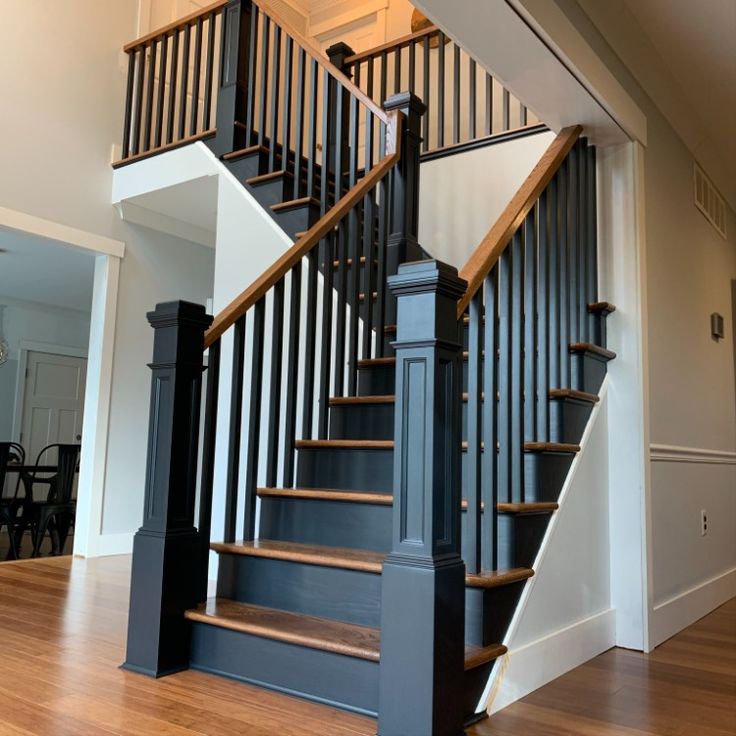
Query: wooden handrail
[
  {"x": 396, "y": 44},
  {"x": 485, "y": 256},
  {"x": 169, "y": 28},
  {"x": 316, "y": 53},
  {"x": 269, "y": 278}
]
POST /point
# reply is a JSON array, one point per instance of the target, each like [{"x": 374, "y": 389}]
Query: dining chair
[
  {"x": 56, "y": 513},
  {"x": 10, "y": 452}
]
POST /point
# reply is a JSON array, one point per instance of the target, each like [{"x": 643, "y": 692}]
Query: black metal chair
[
  {"x": 11, "y": 452},
  {"x": 56, "y": 513}
]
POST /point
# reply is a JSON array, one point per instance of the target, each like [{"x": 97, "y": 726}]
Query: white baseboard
[
  {"x": 537, "y": 663},
  {"x": 678, "y": 612}
]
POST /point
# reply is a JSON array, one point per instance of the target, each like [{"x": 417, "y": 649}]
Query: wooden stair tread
[
  {"x": 322, "y": 494},
  {"x": 605, "y": 307},
  {"x": 310, "y": 554},
  {"x": 527, "y": 508},
  {"x": 291, "y": 203},
  {"x": 351, "y": 559},
  {"x": 356, "y": 400},
  {"x": 244, "y": 152},
  {"x": 587, "y": 347},
  {"x": 478, "y": 656},
  {"x": 551, "y": 447},
  {"x": 351, "y": 640},
  {"x": 375, "y": 362},
  {"x": 263, "y": 178},
  {"x": 497, "y": 578},
  {"x": 345, "y": 444},
  {"x": 387, "y": 499},
  {"x": 327, "y": 635},
  {"x": 571, "y": 393}
]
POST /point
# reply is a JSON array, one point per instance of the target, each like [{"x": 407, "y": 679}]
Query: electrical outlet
[{"x": 703, "y": 522}]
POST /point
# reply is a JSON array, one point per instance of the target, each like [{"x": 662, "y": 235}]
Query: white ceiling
[{"x": 39, "y": 270}]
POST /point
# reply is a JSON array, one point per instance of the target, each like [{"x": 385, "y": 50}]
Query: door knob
[{"x": 79, "y": 437}]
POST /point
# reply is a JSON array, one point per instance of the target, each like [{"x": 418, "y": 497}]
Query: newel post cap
[
  {"x": 419, "y": 277},
  {"x": 406, "y": 102}
]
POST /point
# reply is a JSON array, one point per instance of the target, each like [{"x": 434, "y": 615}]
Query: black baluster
[
  {"x": 504, "y": 376},
  {"x": 506, "y": 111},
  {"x": 542, "y": 340},
  {"x": 274, "y": 115},
  {"x": 263, "y": 92},
  {"x": 554, "y": 288},
  {"x": 310, "y": 344},
  {"x": 299, "y": 120},
  {"x": 312, "y": 146},
  {"x": 581, "y": 205},
  {"x": 209, "y": 71},
  {"x": 236, "y": 414},
  {"x": 184, "y": 82},
  {"x": 456, "y": 92},
  {"x": 489, "y": 495},
  {"x": 196, "y": 73},
  {"x": 530, "y": 326},
  {"x": 354, "y": 243},
  {"x": 341, "y": 253},
  {"x": 413, "y": 66},
  {"x": 287, "y": 107},
  {"x": 426, "y": 97},
  {"x": 127, "y": 119},
  {"x": 472, "y": 85},
  {"x": 274, "y": 386},
  {"x": 562, "y": 248},
  {"x": 572, "y": 240},
  {"x": 384, "y": 75},
  {"x": 473, "y": 481},
  {"x": 397, "y": 70},
  {"x": 328, "y": 122},
  {"x": 489, "y": 104},
  {"x": 208, "y": 458},
  {"x": 147, "y": 127},
  {"x": 250, "y": 107},
  {"x": 379, "y": 310},
  {"x": 292, "y": 373},
  {"x": 592, "y": 239},
  {"x": 517, "y": 367},
  {"x": 522, "y": 114},
  {"x": 173, "y": 86},
  {"x": 254, "y": 421},
  {"x": 369, "y": 130},
  {"x": 325, "y": 363},
  {"x": 441, "y": 90},
  {"x": 138, "y": 105},
  {"x": 369, "y": 245},
  {"x": 158, "y": 131}
]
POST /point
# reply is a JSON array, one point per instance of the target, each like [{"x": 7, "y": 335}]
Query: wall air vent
[{"x": 709, "y": 201}]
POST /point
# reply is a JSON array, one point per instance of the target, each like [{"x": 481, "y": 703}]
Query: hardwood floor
[{"x": 62, "y": 634}]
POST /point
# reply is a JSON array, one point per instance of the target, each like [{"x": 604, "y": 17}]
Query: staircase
[{"x": 390, "y": 429}]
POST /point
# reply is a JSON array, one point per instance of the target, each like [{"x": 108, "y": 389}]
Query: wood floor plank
[{"x": 63, "y": 625}]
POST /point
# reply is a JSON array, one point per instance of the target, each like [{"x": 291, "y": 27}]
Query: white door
[{"x": 53, "y": 402}]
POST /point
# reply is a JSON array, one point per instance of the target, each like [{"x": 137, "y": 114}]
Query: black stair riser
[
  {"x": 544, "y": 475},
  {"x": 588, "y": 371},
  {"x": 334, "y": 679},
  {"x": 376, "y": 380},
  {"x": 297, "y": 219},
  {"x": 568, "y": 419},
  {"x": 368, "y": 526},
  {"x": 345, "y": 595},
  {"x": 331, "y": 523},
  {"x": 247, "y": 166},
  {"x": 345, "y": 469},
  {"x": 314, "y": 590}
]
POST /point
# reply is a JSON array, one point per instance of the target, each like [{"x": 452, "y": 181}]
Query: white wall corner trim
[
  {"x": 684, "y": 609},
  {"x": 537, "y": 663},
  {"x": 678, "y": 454}
]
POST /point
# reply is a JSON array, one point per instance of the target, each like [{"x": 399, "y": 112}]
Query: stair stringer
[{"x": 564, "y": 616}]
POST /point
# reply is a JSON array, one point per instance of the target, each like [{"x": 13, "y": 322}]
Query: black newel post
[
  {"x": 232, "y": 93},
  {"x": 423, "y": 581},
  {"x": 167, "y": 550},
  {"x": 403, "y": 233}
]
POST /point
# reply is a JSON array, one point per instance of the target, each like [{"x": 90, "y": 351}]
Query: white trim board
[
  {"x": 537, "y": 663},
  {"x": 684, "y": 609},
  {"x": 679, "y": 454},
  {"x": 63, "y": 234}
]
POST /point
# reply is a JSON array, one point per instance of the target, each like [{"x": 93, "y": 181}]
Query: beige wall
[
  {"x": 62, "y": 76},
  {"x": 692, "y": 401}
]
